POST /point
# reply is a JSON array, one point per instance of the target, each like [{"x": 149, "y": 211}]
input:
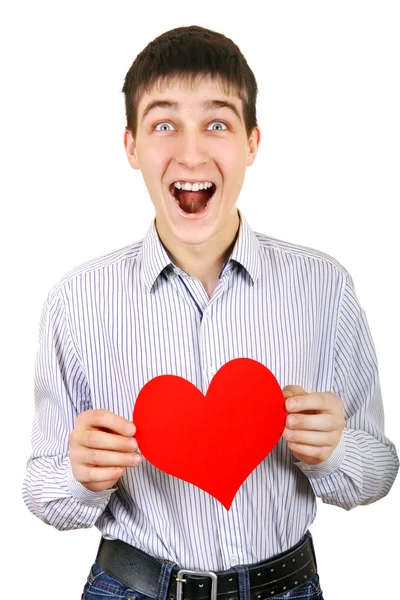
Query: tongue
[{"x": 192, "y": 202}]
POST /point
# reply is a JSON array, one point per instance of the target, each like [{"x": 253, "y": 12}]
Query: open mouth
[{"x": 192, "y": 198}]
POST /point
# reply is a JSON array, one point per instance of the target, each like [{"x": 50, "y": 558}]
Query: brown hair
[{"x": 187, "y": 52}]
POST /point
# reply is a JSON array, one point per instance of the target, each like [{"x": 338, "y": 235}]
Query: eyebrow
[{"x": 207, "y": 105}]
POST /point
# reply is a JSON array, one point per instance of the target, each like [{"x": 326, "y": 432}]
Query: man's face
[{"x": 192, "y": 134}]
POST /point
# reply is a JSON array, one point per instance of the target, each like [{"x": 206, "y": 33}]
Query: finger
[
  {"x": 295, "y": 390},
  {"x": 323, "y": 402},
  {"x": 103, "y": 485},
  {"x": 319, "y": 453},
  {"x": 102, "y": 440},
  {"x": 319, "y": 422},
  {"x": 309, "y": 438},
  {"x": 105, "y": 458},
  {"x": 105, "y": 419},
  {"x": 87, "y": 474}
]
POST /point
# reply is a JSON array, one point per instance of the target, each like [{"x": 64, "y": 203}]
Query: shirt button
[
  {"x": 212, "y": 371},
  {"x": 234, "y": 560}
]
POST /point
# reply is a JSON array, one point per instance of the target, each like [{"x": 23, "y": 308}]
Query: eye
[
  {"x": 162, "y": 126},
  {"x": 219, "y": 123}
]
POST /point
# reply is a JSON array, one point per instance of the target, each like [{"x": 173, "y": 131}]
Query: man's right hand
[{"x": 100, "y": 447}]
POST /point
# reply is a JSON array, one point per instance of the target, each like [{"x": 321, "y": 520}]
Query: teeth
[{"x": 193, "y": 187}]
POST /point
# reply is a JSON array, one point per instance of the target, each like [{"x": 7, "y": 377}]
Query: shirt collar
[{"x": 155, "y": 257}]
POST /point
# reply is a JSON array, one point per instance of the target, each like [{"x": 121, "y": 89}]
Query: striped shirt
[{"x": 114, "y": 323}]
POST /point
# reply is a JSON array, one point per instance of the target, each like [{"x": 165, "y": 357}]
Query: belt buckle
[{"x": 180, "y": 582}]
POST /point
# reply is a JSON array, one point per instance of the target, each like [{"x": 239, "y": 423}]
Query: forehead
[{"x": 191, "y": 93}]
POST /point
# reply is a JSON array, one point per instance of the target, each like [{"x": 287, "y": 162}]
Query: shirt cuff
[
  {"x": 84, "y": 496},
  {"x": 327, "y": 466}
]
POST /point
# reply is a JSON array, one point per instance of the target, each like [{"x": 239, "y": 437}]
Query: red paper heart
[{"x": 213, "y": 441}]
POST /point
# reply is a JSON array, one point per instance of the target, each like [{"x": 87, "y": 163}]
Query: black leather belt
[{"x": 139, "y": 571}]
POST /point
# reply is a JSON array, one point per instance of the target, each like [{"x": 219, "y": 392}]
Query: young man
[{"x": 199, "y": 290}]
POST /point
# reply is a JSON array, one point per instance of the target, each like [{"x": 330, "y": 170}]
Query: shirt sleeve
[
  {"x": 364, "y": 465},
  {"x": 50, "y": 490}
]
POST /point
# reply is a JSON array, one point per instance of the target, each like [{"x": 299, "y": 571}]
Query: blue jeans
[{"x": 101, "y": 586}]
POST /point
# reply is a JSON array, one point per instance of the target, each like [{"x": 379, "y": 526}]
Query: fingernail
[
  {"x": 136, "y": 459},
  {"x": 130, "y": 429},
  {"x": 291, "y": 404}
]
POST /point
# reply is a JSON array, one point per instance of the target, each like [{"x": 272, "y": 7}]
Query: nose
[{"x": 191, "y": 150}]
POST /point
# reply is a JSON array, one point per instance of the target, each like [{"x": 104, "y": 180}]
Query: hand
[
  {"x": 314, "y": 425},
  {"x": 101, "y": 446}
]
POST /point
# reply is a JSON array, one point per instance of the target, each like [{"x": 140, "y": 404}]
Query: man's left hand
[{"x": 314, "y": 424}]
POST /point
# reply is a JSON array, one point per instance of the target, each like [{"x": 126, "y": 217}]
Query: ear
[
  {"x": 130, "y": 149},
  {"x": 254, "y": 143}
]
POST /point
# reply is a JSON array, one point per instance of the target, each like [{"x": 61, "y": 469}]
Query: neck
[{"x": 203, "y": 261}]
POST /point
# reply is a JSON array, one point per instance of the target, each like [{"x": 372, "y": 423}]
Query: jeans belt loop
[
  {"x": 243, "y": 581},
  {"x": 163, "y": 580},
  {"x": 180, "y": 581}
]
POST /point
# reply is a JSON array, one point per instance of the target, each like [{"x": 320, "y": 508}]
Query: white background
[{"x": 327, "y": 176}]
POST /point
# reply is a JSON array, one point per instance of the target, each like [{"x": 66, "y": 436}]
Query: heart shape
[{"x": 213, "y": 441}]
